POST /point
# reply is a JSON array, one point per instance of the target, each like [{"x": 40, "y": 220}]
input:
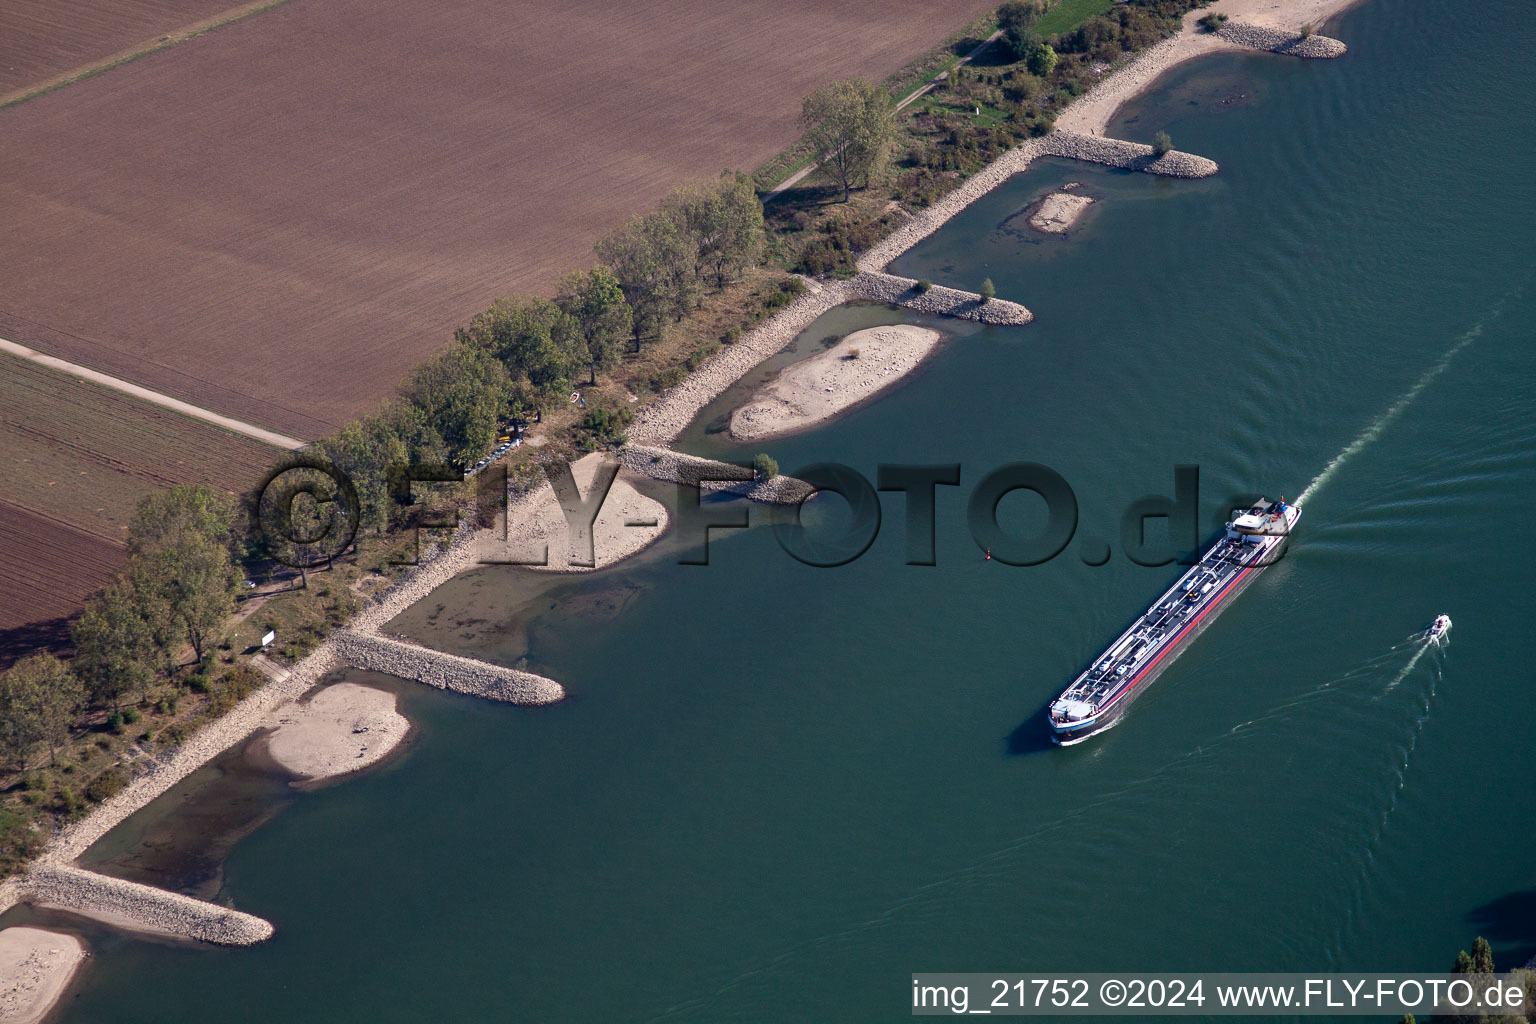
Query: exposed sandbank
[
  {"x": 1056, "y": 213},
  {"x": 35, "y": 968},
  {"x": 343, "y": 728},
  {"x": 854, "y": 370},
  {"x": 540, "y": 520}
]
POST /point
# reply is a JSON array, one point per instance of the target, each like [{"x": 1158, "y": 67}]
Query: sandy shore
[
  {"x": 35, "y": 968},
  {"x": 341, "y": 729},
  {"x": 1091, "y": 114},
  {"x": 1058, "y": 211},
  {"x": 857, "y": 368},
  {"x": 539, "y": 520}
]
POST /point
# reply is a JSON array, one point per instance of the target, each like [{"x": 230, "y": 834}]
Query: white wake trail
[
  {"x": 1374, "y": 431},
  {"x": 1426, "y": 645}
]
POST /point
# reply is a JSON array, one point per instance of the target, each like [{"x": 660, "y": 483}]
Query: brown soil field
[
  {"x": 43, "y": 39},
  {"x": 276, "y": 220},
  {"x": 78, "y": 457},
  {"x": 47, "y": 570}
]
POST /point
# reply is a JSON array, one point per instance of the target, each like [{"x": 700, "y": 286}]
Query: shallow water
[{"x": 778, "y": 790}]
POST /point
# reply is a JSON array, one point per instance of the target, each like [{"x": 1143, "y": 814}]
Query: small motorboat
[{"x": 1439, "y": 629}]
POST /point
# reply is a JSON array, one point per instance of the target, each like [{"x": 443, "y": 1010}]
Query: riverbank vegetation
[
  {"x": 1480, "y": 962},
  {"x": 159, "y": 650}
]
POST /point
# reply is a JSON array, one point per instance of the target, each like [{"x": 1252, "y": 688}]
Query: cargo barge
[{"x": 1098, "y": 698}]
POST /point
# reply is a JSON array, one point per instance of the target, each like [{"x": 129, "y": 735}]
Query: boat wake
[
  {"x": 1372, "y": 432},
  {"x": 1425, "y": 644},
  {"x": 1365, "y": 890}
]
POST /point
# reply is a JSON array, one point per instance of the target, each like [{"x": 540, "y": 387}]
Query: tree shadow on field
[
  {"x": 1509, "y": 925},
  {"x": 995, "y": 56},
  {"x": 44, "y": 635}
]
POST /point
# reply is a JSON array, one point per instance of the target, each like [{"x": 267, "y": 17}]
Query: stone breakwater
[
  {"x": 675, "y": 467},
  {"x": 927, "y": 221},
  {"x": 252, "y": 713},
  {"x": 1292, "y": 44},
  {"x": 666, "y": 417},
  {"x": 444, "y": 671},
  {"x": 901, "y": 291},
  {"x": 142, "y": 906},
  {"x": 1131, "y": 156}
]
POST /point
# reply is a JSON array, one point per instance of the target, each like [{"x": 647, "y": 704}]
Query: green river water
[{"x": 776, "y": 791}]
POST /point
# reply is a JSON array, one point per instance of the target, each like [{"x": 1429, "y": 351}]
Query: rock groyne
[
  {"x": 675, "y": 467},
  {"x": 902, "y": 291},
  {"x": 1131, "y": 156},
  {"x": 1274, "y": 40},
  {"x": 142, "y": 906},
  {"x": 444, "y": 671}
]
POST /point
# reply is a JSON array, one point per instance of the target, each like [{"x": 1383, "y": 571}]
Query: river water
[{"x": 778, "y": 790}]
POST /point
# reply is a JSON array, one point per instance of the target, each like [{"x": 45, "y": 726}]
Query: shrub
[
  {"x": 606, "y": 426},
  {"x": 988, "y": 290},
  {"x": 1161, "y": 143},
  {"x": 922, "y": 286},
  {"x": 731, "y": 336},
  {"x": 1041, "y": 60},
  {"x": 1213, "y": 21},
  {"x": 853, "y": 353},
  {"x": 1308, "y": 30},
  {"x": 668, "y": 378},
  {"x": 696, "y": 359},
  {"x": 131, "y": 716},
  {"x": 115, "y": 722},
  {"x": 106, "y": 785},
  {"x": 766, "y": 465}
]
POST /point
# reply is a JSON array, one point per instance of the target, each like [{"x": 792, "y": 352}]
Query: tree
[
  {"x": 539, "y": 345},
  {"x": 594, "y": 300},
  {"x": 1017, "y": 22},
  {"x": 364, "y": 450},
  {"x": 849, "y": 123},
  {"x": 114, "y": 645},
  {"x": 39, "y": 698},
  {"x": 199, "y": 585},
  {"x": 988, "y": 290},
  {"x": 463, "y": 391},
  {"x": 1161, "y": 143},
  {"x": 164, "y": 517},
  {"x": 656, "y": 263},
  {"x": 766, "y": 465},
  {"x": 1020, "y": 14},
  {"x": 1040, "y": 59},
  {"x": 725, "y": 221}
]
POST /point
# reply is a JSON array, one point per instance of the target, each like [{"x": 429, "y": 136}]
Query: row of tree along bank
[{"x": 155, "y": 652}]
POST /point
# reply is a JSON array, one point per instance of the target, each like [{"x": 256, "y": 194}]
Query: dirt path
[
  {"x": 154, "y": 397},
  {"x": 800, "y": 175},
  {"x": 134, "y": 52}
]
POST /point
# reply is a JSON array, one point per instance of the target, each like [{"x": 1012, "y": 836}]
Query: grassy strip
[
  {"x": 163, "y": 43},
  {"x": 1068, "y": 14}
]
